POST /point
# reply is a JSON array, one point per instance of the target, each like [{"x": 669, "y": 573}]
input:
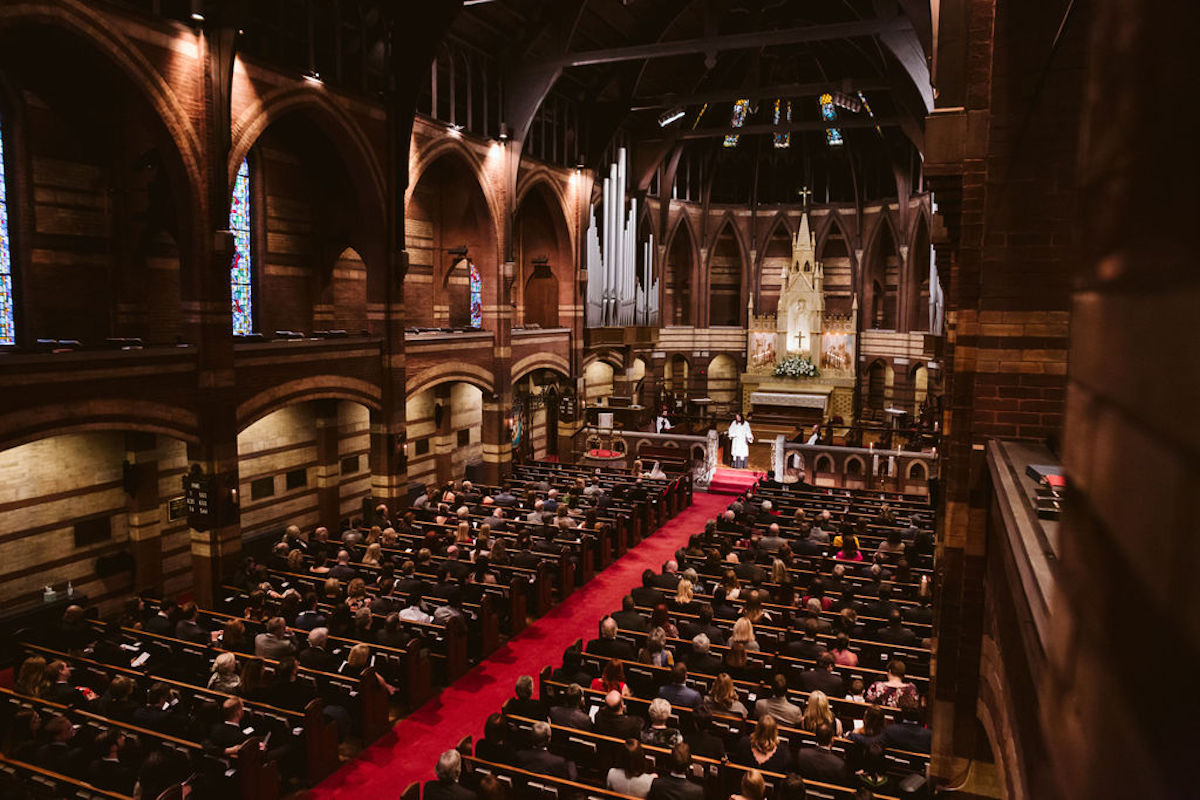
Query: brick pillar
[
  {"x": 144, "y": 510},
  {"x": 329, "y": 464},
  {"x": 497, "y": 444},
  {"x": 443, "y": 440}
]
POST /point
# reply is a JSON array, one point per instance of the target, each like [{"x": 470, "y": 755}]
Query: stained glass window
[
  {"x": 737, "y": 120},
  {"x": 8, "y": 328},
  {"x": 783, "y": 111},
  {"x": 241, "y": 273},
  {"x": 476, "y": 297},
  {"x": 833, "y": 136}
]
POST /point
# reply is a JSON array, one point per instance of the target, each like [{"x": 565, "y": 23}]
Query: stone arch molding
[
  {"x": 255, "y": 119},
  {"x": 450, "y": 373},
  {"x": 78, "y": 18},
  {"x": 321, "y": 387}
]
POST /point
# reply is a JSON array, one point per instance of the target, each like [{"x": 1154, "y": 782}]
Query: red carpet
[
  {"x": 410, "y": 751},
  {"x": 733, "y": 481}
]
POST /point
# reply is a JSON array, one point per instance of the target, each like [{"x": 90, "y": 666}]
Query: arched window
[
  {"x": 241, "y": 273},
  {"x": 476, "y": 297},
  {"x": 8, "y": 327}
]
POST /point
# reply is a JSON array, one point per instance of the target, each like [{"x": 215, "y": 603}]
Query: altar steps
[{"x": 733, "y": 481}]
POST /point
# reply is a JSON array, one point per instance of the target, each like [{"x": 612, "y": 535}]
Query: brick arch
[
  {"x": 779, "y": 220},
  {"x": 729, "y": 221},
  {"x": 454, "y": 147},
  {"x": 99, "y": 34},
  {"x": 343, "y": 131},
  {"x": 825, "y": 229},
  {"x": 823, "y": 464},
  {"x": 552, "y": 361},
  {"x": 862, "y": 467},
  {"x": 320, "y": 387},
  {"x": 613, "y": 359},
  {"x": 477, "y": 376},
  {"x": 540, "y": 177},
  {"x": 107, "y": 414}
]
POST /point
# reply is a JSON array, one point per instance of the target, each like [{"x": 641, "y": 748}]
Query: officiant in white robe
[{"x": 740, "y": 437}]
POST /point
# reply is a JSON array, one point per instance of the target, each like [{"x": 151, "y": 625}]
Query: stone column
[
  {"x": 443, "y": 440},
  {"x": 329, "y": 464},
  {"x": 144, "y": 510}
]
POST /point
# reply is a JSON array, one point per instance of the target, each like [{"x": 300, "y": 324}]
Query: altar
[{"x": 800, "y": 361}]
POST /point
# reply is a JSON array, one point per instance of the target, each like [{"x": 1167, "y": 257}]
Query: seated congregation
[
  {"x": 783, "y": 653},
  {"x": 319, "y": 643}
]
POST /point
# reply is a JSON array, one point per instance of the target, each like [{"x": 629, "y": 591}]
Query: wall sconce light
[{"x": 503, "y": 132}]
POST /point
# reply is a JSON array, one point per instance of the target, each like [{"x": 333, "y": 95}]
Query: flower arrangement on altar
[{"x": 796, "y": 367}]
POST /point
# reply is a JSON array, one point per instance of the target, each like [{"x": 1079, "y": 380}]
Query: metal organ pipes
[{"x": 615, "y": 295}]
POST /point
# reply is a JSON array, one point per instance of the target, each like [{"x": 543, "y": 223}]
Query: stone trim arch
[
  {"x": 108, "y": 414},
  {"x": 99, "y": 33},
  {"x": 541, "y": 361},
  {"x": 321, "y": 387},
  {"x": 823, "y": 464},
  {"x": 531, "y": 179},
  {"x": 613, "y": 359},
  {"x": 780, "y": 219},
  {"x": 917, "y": 466},
  {"x": 255, "y": 119},
  {"x": 450, "y": 373},
  {"x": 858, "y": 462},
  {"x": 449, "y": 146}
]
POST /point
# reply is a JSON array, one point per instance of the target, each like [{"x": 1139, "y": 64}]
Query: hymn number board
[{"x": 199, "y": 495}]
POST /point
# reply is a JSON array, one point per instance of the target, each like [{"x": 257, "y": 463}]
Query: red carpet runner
[
  {"x": 410, "y": 751},
  {"x": 733, "y": 481}
]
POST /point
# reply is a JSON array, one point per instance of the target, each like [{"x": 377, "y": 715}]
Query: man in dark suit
[
  {"x": 342, "y": 569},
  {"x": 729, "y": 524},
  {"x": 881, "y": 607},
  {"x": 454, "y": 564},
  {"x": 106, "y": 771},
  {"x": 823, "y": 678},
  {"x": 58, "y": 754},
  {"x": 188, "y": 628},
  {"x": 907, "y": 733},
  {"x": 628, "y": 619},
  {"x": 701, "y": 738},
  {"x": 808, "y": 646},
  {"x": 895, "y": 632},
  {"x": 408, "y": 582},
  {"x": 572, "y": 669},
  {"x": 677, "y": 692},
  {"x": 647, "y": 594},
  {"x": 159, "y": 713},
  {"x": 704, "y": 624},
  {"x": 228, "y": 735},
  {"x": 608, "y": 645},
  {"x": 820, "y": 763},
  {"x": 60, "y": 690},
  {"x": 316, "y": 655},
  {"x": 286, "y": 691},
  {"x": 611, "y": 720},
  {"x": 447, "y": 787},
  {"x": 160, "y": 621},
  {"x": 675, "y": 784},
  {"x": 523, "y": 704},
  {"x": 311, "y": 617},
  {"x": 669, "y": 579},
  {"x": 570, "y": 712},
  {"x": 701, "y": 659},
  {"x": 538, "y": 758}
]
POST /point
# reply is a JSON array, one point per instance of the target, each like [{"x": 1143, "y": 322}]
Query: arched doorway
[
  {"x": 918, "y": 286},
  {"x": 876, "y": 380},
  {"x": 598, "y": 382}
]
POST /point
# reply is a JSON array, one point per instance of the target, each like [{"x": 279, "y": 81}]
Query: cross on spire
[{"x": 805, "y": 195}]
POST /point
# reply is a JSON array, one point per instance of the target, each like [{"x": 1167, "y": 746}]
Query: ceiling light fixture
[
  {"x": 671, "y": 115},
  {"x": 197, "y": 17},
  {"x": 312, "y": 76}
]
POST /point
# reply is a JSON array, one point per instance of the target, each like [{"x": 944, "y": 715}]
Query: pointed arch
[
  {"x": 541, "y": 231},
  {"x": 449, "y": 206},
  {"x": 836, "y": 255},
  {"x": 682, "y": 256},
  {"x": 917, "y": 276},
  {"x": 726, "y": 277},
  {"x": 881, "y": 276},
  {"x": 774, "y": 257}
]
